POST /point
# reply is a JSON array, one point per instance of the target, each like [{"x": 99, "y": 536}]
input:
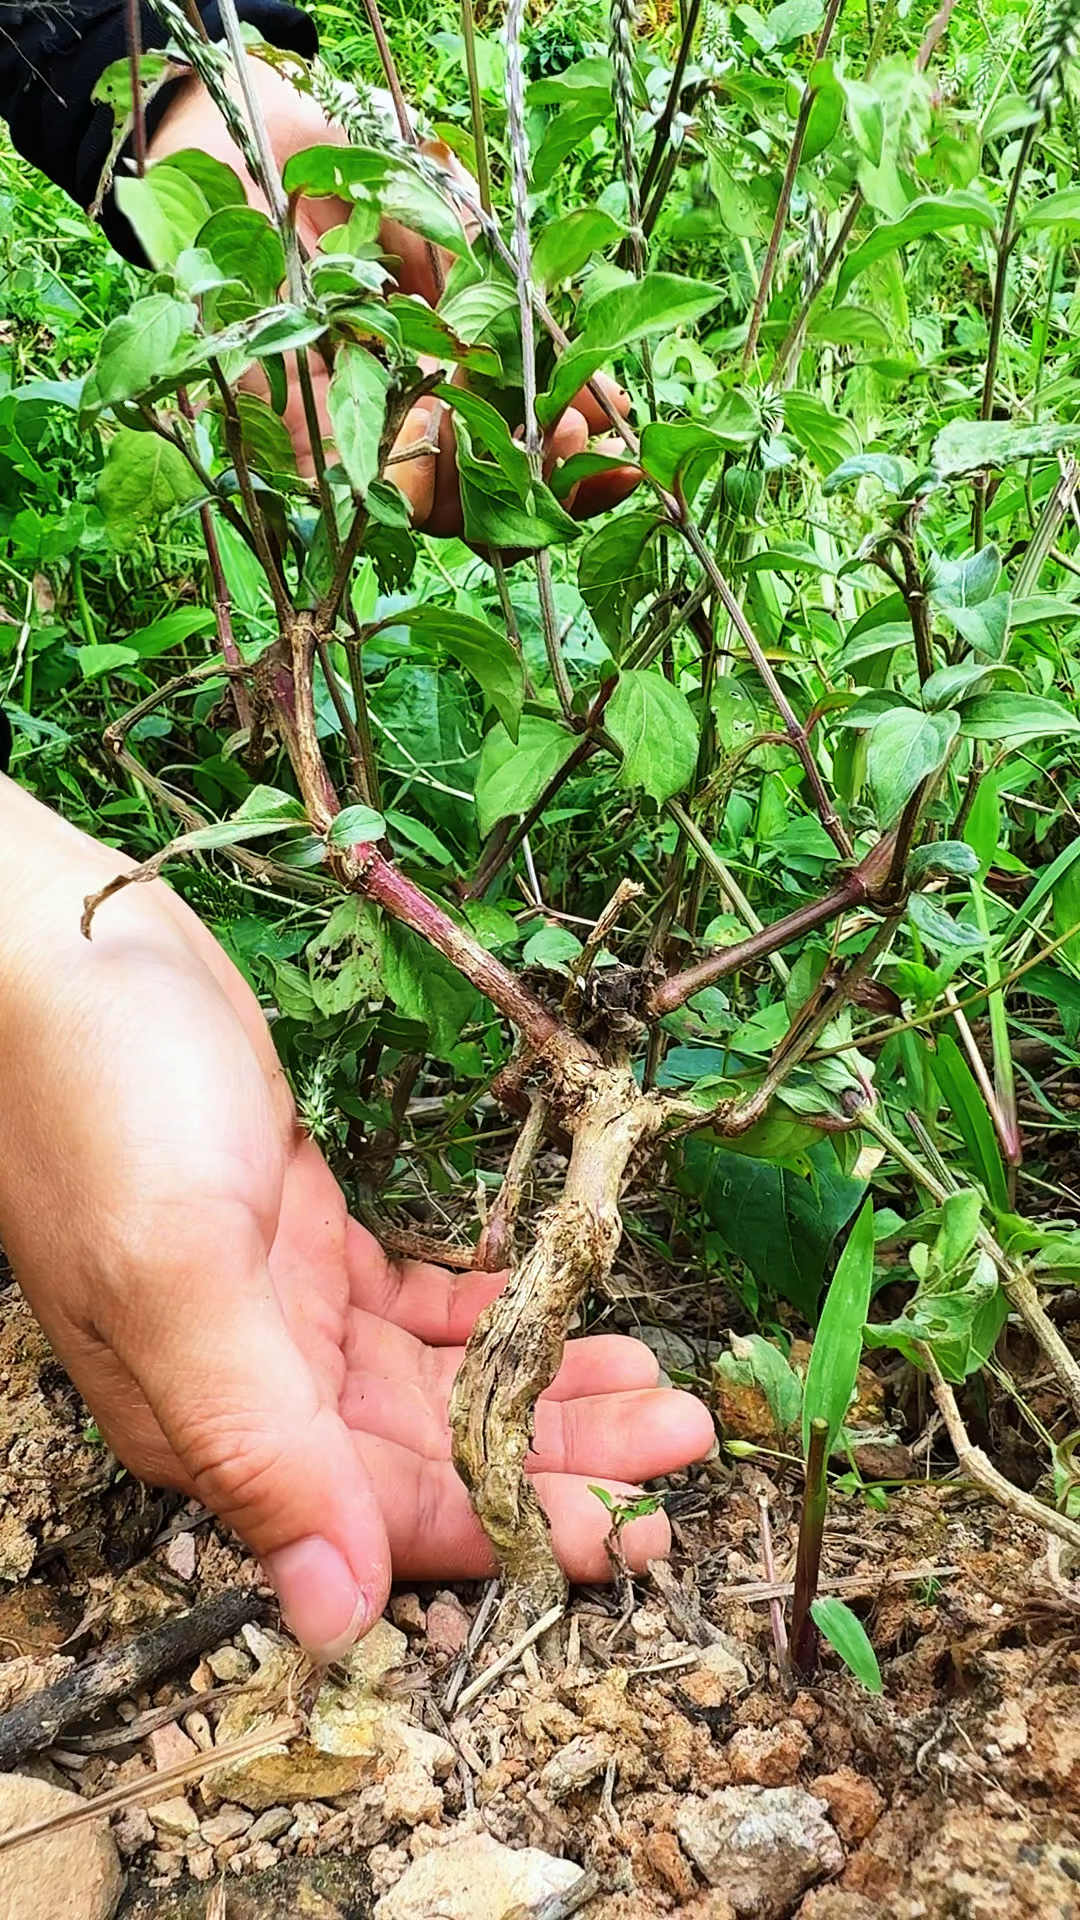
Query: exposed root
[{"x": 516, "y": 1347}]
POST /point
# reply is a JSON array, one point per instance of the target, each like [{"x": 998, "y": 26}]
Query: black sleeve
[{"x": 51, "y": 58}]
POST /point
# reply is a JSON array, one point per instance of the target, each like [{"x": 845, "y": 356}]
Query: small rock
[
  {"x": 272, "y": 1824},
  {"x": 180, "y": 1556},
  {"x": 447, "y": 1627},
  {"x": 229, "y": 1665},
  {"x": 762, "y": 1845},
  {"x": 853, "y": 1801},
  {"x": 675, "y": 1354},
  {"x": 226, "y": 1824},
  {"x": 1008, "y": 1728},
  {"x": 132, "y": 1830},
  {"x": 576, "y": 1766},
  {"x": 713, "y": 1905},
  {"x": 261, "y": 1856},
  {"x": 169, "y": 1747},
  {"x": 407, "y": 1613},
  {"x": 670, "y": 1865},
  {"x": 174, "y": 1817},
  {"x": 648, "y": 1623},
  {"x": 605, "y": 1705},
  {"x": 768, "y": 1756},
  {"x": 197, "y": 1727},
  {"x": 720, "y": 1675},
  {"x": 200, "y": 1863},
  {"x": 71, "y": 1875},
  {"x": 476, "y": 1879}
]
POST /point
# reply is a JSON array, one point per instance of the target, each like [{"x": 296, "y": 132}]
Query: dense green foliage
[{"x": 867, "y": 404}]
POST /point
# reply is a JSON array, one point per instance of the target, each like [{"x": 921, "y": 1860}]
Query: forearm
[{"x": 51, "y": 58}]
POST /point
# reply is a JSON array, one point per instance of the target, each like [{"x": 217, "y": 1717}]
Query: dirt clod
[
  {"x": 762, "y": 1845},
  {"x": 71, "y": 1875}
]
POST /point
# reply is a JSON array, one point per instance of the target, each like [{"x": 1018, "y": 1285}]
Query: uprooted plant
[{"x": 703, "y": 673}]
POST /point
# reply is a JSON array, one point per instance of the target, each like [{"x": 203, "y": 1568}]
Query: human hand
[
  {"x": 190, "y": 1257},
  {"x": 428, "y": 481}
]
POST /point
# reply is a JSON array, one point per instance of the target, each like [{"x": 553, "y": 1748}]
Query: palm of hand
[{"x": 234, "y": 1332}]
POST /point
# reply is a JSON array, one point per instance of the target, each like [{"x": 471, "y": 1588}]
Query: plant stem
[
  {"x": 973, "y": 1462},
  {"x": 133, "y": 13},
  {"x": 804, "y": 1636},
  {"x": 476, "y": 105},
  {"x": 1006, "y": 242},
  {"x": 787, "y": 187}
]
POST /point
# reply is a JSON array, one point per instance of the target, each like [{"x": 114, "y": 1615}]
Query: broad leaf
[
  {"x": 565, "y": 245},
  {"x": 356, "y": 402},
  {"x": 484, "y": 653},
  {"x": 1016, "y": 716},
  {"x": 654, "y": 725},
  {"x": 138, "y": 347},
  {"x": 398, "y": 189},
  {"x": 143, "y": 479},
  {"x": 246, "y": 247},
  {"x": 968, "y": 446},
  {"x": 931, "y": 215},
  {"x": 619, "y": 319},
  {"x": 938, "y": 927},
  {"x": 615, "y": 570},
  {"x": 906, "y": 747},
  {"x": 511, "y": 777},
  {"x": 425, "y": 987},
  {"x": 166, "y": 209}
]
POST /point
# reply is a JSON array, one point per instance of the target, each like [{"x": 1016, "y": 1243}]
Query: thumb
[{"x": 258, "y": 1433}]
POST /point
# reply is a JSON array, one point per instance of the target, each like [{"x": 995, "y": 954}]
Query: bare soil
[{"x": 955, "y": 1795}]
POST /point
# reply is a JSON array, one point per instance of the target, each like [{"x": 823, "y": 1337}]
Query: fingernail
[{"x": 321, "y": 1598}]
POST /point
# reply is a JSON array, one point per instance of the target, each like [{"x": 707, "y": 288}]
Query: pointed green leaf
[
  {"x": 847, "y": 1636},
  {"x": 905, "y": 748},
  {"x": 838, "y": 1342},
  {"x": 654, "y": 725},
  {"x": 356, "y": 402}
]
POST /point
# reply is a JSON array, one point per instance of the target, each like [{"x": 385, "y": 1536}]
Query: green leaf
[
  {"x": 826, "y": 113},
  {"x": 824, "y": 435},
  {"x": 502, "y": 504},
  {"x": 847, "y": 1636},
  {"x": 951, "y": 684},
  {"x": 779, "y": 1223},
  {"x": 270, "y": 803},
  {"x": 670, "y": 448},
  {"x": 484, "y": 653},
  {"x": 219, "y": 185},
  {"x": 166, "y": 209},
  {"x": 838, "y": 1342},
  {"x": 565, "y": 245},
  {"x": 754, "y": 1362},
  {"x": 619, "y": 319},
  {"x": 906, "y": 747},
  {"x": 354, "y": 826},
  {"x": 882, "y": 466},
  {"x": 969, "y": 446},
  {"x": 953, "y": 857},
  {"x": 551, "y": 946},
  {"x": 567, "y": 132},
  {"x": 616, "y": 568},
  {"x": 927, "y": 216},
  {"x": 344, "y": 961},
  {"x": 425, "y": 331},
  {"x": 511, "y": 777},
  {"x": 1061, "y": 209},
  {"x": 94, "y": 661},
  {"x": 654, "y": 725},
  {"x": 1067, "y": 912},
  {"x": 398, "y": 189},
  {"x": 143, "y": 479},
  {"x": 138, "y": 347},
  {"x": 943, "y": 932},
  {"x": 356, "y": 402},
  {"x": 866, "y": 118},
  {"x": 1016, "y": 716},
  {"x": 425, "y": 987},
  {"x": 170, "y": 631},
  {"x": 266, "y": 440},
  {"x": 245, "y": 246}
]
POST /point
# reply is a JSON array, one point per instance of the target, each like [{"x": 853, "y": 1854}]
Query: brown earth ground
[{"x": 954, "y": 1796}]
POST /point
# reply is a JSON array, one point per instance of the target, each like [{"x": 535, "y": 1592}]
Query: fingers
[
  {"x": 257, "y": 1439},
  {"x": 435, "y": 1535},
  {"x": 430, "y": 1303},
  {"x": 602, "y": 491},
  {"x": 596, "y": 418},
  {"x": 413, "y": 473}
]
